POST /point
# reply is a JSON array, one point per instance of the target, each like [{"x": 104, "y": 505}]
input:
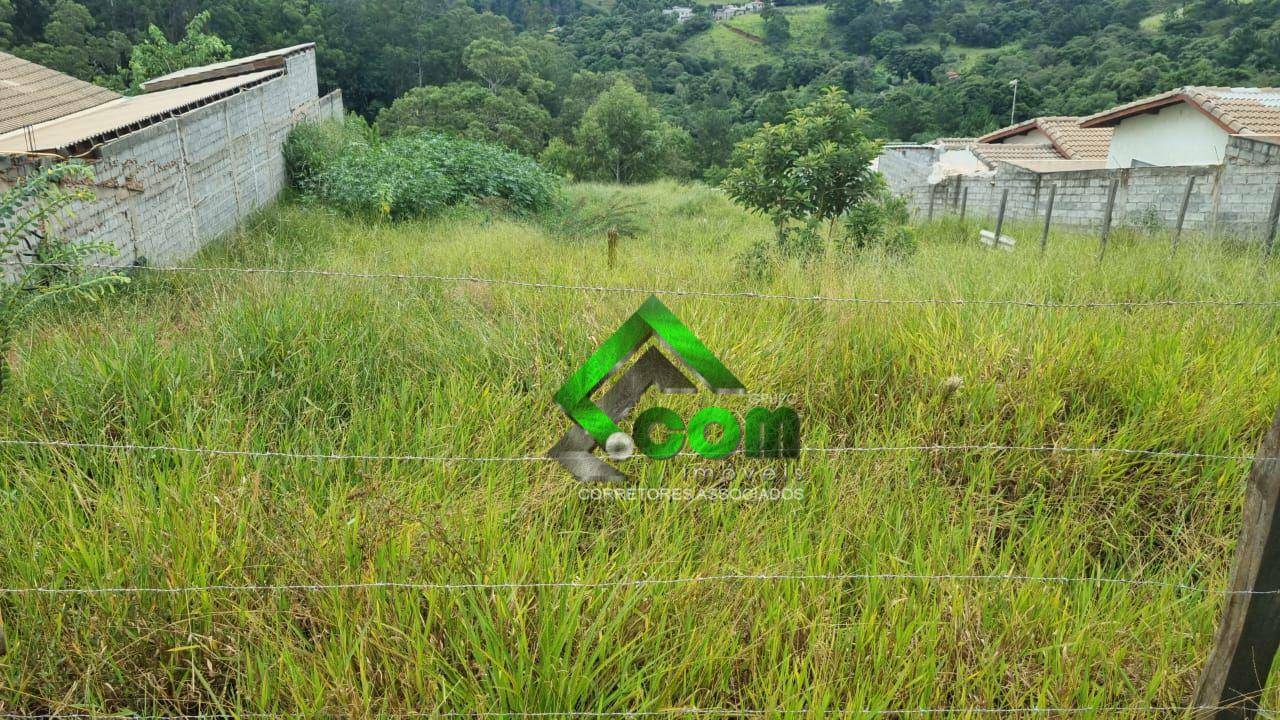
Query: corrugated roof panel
[
  {"x": 107, "y": 118},
  {"x": 268, "y": 60},
  {"x": 32, "y": 94}
]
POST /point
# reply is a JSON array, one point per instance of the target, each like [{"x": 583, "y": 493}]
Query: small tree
[
  {"x": 777, "y": 29},
  {"x": 36, "y": 272},
  {"x": 468, "y": 110},
  {"x": 813, "y": 167},
  {"x": 497, "y": 63},
  {"x": 156, "y": 56},
  {"x": 621, "y": 138}
]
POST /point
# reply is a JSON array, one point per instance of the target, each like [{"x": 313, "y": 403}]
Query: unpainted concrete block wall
[
  {"x": 906, "y": 166},
  {"x": 166, "y": 190}
]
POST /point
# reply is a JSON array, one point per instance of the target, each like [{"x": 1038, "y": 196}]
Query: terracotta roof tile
[
  {"x": 31, "y": 93},
  {"x": 990, "y": 153},
  {"x": 1075, "y": 142},
  {"x": 1240, "y": 110},
  {"x": 1064, "y": 132}
]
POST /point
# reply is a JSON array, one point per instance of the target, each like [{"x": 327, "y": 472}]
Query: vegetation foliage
[
  {"x": 342, "y": 365},
  {"x": 621, "y": 139},
  {"x": 810, "y": 169},
  {"x": 345, "y": 165},
  {"x": 922, "y": 68},
  {"x": 41, "y": 266}
]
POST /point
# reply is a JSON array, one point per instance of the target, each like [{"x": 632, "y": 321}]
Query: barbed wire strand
[
  {"x": 676, "y": 292},
  {"x": 624, "y": 583},
  {"x": 359, "y": 457},
  {"x": 670, "y": 712}
]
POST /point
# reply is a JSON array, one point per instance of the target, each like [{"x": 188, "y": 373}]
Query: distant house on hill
[
  {"x": 176, "y": 166},
  {"x": 729, "y": 11},
  {"x": 681, "y": 12},
  {"x": 1188, "y": 125}
]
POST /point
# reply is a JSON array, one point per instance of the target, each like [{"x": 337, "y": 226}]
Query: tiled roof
[
  {"x": 270, "y": 60},
  {"x": 31, "y": 93},
  {"x": 1072, "y": 141},
  {"x": 990, "y": 153},
  {"x": 1075, "y": 142},
  {"x": 124, "y": 113},
  {"x": 954, "y": 143},
  {"x": 1240, "y": 110}
]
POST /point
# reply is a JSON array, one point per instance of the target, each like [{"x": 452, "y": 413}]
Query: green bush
[
  {"x": 349, "y": 168},
  {"x": 312, "y": 146},
  {"x": 881, "y": 221},
  {"x": 378, "y": 180}
]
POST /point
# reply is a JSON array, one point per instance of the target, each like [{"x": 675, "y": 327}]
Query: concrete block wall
[
  {"x": 906, "y": 166},
  {"x": 166, "y": 190},
  {"x": 1234, "y": 198}
]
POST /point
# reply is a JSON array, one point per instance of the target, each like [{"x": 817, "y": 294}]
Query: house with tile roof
[
  {"x": 1186, "y": 126},
  {"x": 1062, "y": 133}
]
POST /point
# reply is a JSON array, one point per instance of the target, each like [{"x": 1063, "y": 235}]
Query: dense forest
[{"x": 526, "y": 72}]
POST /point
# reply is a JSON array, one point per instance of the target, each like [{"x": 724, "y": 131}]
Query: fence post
[
  {"x": 613, "y": 247},
  {"x": 964, "y": 202},
  {"x": 933, "y": 194},
  {"x": 1106, "y": 218},
  {"x": 1004, "y": 199},
  {"x": 1272, "y": 221},
  {"x": 1048, "y": 217},
  {"x": 1249, "y": 633},
  {"x": 1182, "y": 212}
]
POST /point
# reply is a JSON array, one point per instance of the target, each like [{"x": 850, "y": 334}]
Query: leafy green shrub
[
  {"x": 482, "y": 170},
  {"x": 378, "y": 180},
  {"x": 310, "y": 147},
  {"x": 881, "y": 221},
  {"x": 346, "y": 166}
]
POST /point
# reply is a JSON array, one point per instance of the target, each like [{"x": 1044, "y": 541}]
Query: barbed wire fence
[{"x": 1269, "y": 460}]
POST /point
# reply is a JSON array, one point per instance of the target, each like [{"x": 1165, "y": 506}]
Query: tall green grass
[{"x": 326, "y": 364}]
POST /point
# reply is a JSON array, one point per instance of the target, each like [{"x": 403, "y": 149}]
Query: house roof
[
  {"x": 954, "y": 143},
  {"x": 125, "y": 114},
  {"x": 1239, "y": 110},
  {"x": 270, "y": 60},
  {"x": 31, "y": 93},
  {"x": 991, "y": 153},
  {"x": 1065, "y": 133}
]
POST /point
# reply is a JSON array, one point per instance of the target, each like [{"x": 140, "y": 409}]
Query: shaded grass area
[{"x": 306, "y": 364}]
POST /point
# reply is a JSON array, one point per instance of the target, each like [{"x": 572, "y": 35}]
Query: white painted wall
[
  {"x": 1032, "y": 137},
  {"x": 1174, "y": 135}
]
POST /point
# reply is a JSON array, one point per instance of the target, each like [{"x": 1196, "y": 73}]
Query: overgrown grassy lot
[{"x": 314, "y": 364}]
